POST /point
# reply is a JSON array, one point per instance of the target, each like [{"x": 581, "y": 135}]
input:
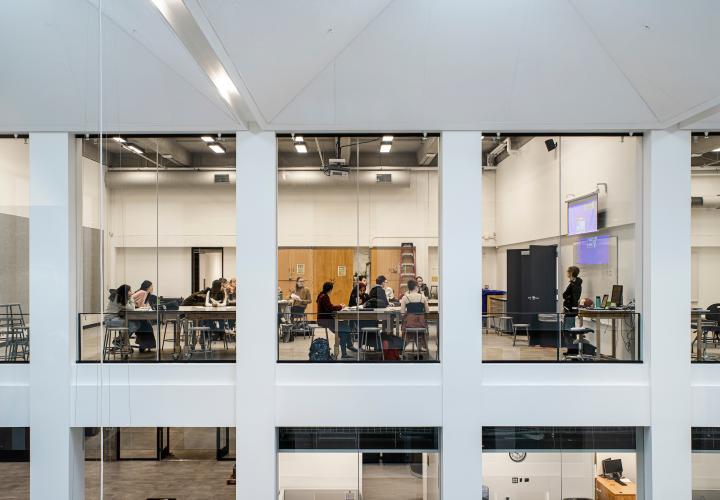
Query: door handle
[{"x": 533, "y": 297}]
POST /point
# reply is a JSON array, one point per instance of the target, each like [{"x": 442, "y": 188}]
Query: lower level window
[
  {"x": 560, "y": 463},
  {"x": 359, "y": 463},
  {"x": 705, "y": 463}
]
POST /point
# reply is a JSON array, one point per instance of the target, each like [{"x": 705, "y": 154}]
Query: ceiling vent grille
[
  {"x": 383, "y": 178},
  {"x": 222, "y": 178}
]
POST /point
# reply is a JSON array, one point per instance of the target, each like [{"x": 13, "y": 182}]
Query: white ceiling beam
[
  {"x": 251, "y": 114},
  {"x": 187, "y": 27},
  {"x": 698, "y": 113}
]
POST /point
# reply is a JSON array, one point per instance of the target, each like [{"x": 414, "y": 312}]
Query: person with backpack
[{"x": 326, "y": 318}]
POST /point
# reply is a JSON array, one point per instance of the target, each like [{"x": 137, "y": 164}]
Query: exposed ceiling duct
[{"x": 705, "y": 202}]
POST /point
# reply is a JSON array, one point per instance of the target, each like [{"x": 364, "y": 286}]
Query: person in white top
[{"x": 217, "y": 295}]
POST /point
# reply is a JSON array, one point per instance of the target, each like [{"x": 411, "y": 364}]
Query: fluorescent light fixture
[
  {"x": 207, "y": 138},
  {"x": 135, "y": 149},
  {"x": 716, "y": 150},
  {"x": 387, "y": 138},
  {"x": 696, "y": 155},
  {"x": 385, "y": 147},
  {"x": 217, "y": 148},
  {"x": 299, "y": 143},
  {"x": 119, "y": 139}
]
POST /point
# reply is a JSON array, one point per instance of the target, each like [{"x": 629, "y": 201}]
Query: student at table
[
  {"x": 326, "y": 318},
  {"x": 422, "y": 287},
  {"x": 141, "y": 297},
  {"x": 196, "y": 298},
  {"x": 118, "y": 303},
  {"x": 300, "y": 296},
  {"x": 232, "y": 290},
  {"x": 358, "y": 296},
  {"x": 217, "y": 295},
  {"x": 144, "y": 334},
  {"x": 378, "y": 298},
  {"x": 413, "y": 307}
]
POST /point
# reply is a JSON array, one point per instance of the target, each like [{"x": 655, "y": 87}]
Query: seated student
[
  {"x": 196, "y": 299},
  {"x": 413, "y": 307},
  {"x": 141, "y": 297},
  {"x": 358, "y": 296},
  {"x": 216, "y": 295},
  {"x": 377, "y": 298},
  {"x": 422, "y": 287},
  {"x": 144, "y": 335},
  {"x": 300, "y": 296},
  {"x": 120, "y": 301},
  {"x": 326, "y": 318},
  {"x": 232, "y": 290}
]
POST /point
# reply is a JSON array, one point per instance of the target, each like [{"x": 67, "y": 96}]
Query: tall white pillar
[
  {"x": 461, "y": 311},
  {"x": 256, "y": 315},
  {"x": 666, "y": 315},
  {"x": 55, "y": 463}
]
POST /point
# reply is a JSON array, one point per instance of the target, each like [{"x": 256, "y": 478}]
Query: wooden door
[
  {"x": 385, "y": 261},
  {"x": 290, "y": 261},
  {"x": 328, "y": 264}
]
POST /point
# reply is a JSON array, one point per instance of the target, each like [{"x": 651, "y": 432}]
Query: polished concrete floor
[{"x": 15, "y": 483}]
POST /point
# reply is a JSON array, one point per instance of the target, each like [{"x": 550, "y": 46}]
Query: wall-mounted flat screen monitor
[
  {"x": 593, "y": 251},
  {"x": 583, "y": 215}
]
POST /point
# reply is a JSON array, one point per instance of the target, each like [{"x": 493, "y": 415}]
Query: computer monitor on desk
[{"x": 612, "y": 466}]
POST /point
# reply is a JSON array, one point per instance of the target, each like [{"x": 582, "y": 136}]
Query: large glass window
[
  {"x": 158, "y": 248},
  {"x": 162, "y": 462},
  {"x": 705, "y": 463},
  {"x": 14, "y": 249},
  {"x": 15, "y": 462},
  {"x": 705, "y": 253},
  {"x": 358, "y": 274},
  {"x": 558, "y": 463},
  {"x": 561, "y": 272},
  {"x": 359, "y": 463}
]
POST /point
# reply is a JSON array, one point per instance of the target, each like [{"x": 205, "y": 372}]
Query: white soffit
[
  {"x": 667, "y": 48},
  {"x": 279, "y": 47}
]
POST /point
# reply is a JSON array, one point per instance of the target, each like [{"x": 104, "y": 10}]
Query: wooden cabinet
[{"x": 607, "y": 489}]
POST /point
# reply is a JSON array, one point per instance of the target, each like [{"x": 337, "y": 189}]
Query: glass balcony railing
[
  {"x": 183, "y": 334},
  {"x": 593, "y": 335}
]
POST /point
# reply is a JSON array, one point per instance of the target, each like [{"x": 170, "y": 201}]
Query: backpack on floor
[{"x": 320, "y": 350}]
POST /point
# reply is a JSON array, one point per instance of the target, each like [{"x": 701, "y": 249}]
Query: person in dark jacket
[
  {"x": 326, "y": 318},
  {"x": 358, "y": 298},
  {"x": 571, "y": 299},
  {"x": 378, "y": 298}
]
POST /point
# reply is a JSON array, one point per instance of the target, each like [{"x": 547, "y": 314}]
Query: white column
[
  {"x": 256, "y": 315},
  {"x": 55, "y": 464},
  {"x": 461, "y": 311},
  {"x": 666, "y": 315}
]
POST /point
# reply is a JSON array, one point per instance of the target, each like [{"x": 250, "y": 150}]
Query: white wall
[
  {"x": 552, "y": 475},
  {"x": 705, "y": 239},
  {"x": 530, "y": 188},
  {"x": 322, "y": 471},
  {"x": 14, "y": 177}
]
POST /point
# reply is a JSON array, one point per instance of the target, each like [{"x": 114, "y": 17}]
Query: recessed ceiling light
[
  {"x": 119, "y": 139},
  {"x": 716, "y": 150},
  {"x": 135, "y": 149},
  {"x": 207, "y": 138},
  {"x": 217, "y": 148},
  {"x": 385, "y": 147},
  {"x": 387, "y": 138},
  {"x": 301, "y": 147},
  {"x": 167, "y": 156}
]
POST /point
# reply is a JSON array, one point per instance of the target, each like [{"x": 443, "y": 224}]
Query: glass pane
[
  {"x": 559, "y": 267},
  {"x": 705, "y": 251},
  {"x": 358, "y": 216},
  {"x": 14, "y": 250},
  {"x": 303, "y": 476}
]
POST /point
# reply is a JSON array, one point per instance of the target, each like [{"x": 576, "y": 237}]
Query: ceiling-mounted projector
[{"x": 336, "y": 167}]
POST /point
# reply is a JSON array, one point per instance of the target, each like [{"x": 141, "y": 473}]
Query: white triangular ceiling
[
  {"x": 460, "y": 65},
  {"x": 279, "y": 47}
]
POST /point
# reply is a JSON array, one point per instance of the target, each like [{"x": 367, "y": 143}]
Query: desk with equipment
[{"x": 612, "y": 484}]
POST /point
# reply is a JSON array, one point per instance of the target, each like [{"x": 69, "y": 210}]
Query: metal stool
[
  {"x": 580, "y": 333},
  {"x": 117, "y": 342},
  {"x": 364, "y": 349},
  {"x": 204, "y": 337},
  {"x": 505, "y": 326},
  {"x": 521, "y": 326},
  {"x": 417, "y": 352}
]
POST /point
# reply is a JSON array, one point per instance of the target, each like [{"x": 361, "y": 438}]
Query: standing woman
[{"x": 571, "y": 297}]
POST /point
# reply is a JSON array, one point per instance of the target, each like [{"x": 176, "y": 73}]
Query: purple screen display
[
  {"x": 595, "y": 250},
  {"x": 582, "y": 216}
]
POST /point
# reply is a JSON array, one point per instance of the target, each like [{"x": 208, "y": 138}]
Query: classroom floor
[
  {"x": 390, "y": 482},
  {"x": 500, "y": 348},
  {"x": 15, "y": 480},
  {"x": 712, "y": 350},
  {"x": 92, "y": 337},
  {"x": 298, "y": 349}
]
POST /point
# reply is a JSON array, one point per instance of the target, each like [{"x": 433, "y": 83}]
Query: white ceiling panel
[
  {"x": 278, "y": 47},
  {"x": 667, "y": 48}
]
